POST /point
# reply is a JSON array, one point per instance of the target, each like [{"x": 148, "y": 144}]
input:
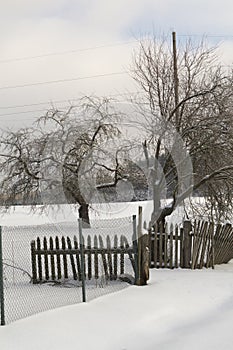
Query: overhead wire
[
  {"x": 51, "y": 103},
  {"x": 81, "y": 50},
  {"x": 62, "y": 80},
  {"x": 9, "y": 60},
  {"x": 35, "y": 104},
  {"x": 77, "y": 78},
  {"x": 208, "y": 35},
  {"x": 97, "y": 47},
  {"x": 69, "y": 99}
]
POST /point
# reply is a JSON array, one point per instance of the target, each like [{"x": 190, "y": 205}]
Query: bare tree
[
  {"x": 49, "y": 161},
  {"x": 193, "y": 132}
]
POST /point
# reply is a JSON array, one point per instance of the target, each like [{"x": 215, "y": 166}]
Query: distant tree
[{"x": 187, "y": 142}]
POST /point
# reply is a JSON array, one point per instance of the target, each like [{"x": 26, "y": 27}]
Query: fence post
[
  {"x": 1, "y": 283},
  {"x": 135, "y": 247},
  {"x": 187, "y": 245},
  {"x": 82, "y": 260},
  {"x": 139, "y": 241},
  {"x": 33, "y": 257},
  {"x": 139, "y": 246},
  {"x": 143, "y": 254}
]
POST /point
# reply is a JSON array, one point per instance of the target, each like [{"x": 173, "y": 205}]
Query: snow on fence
[{"x": 57, "y": 258}]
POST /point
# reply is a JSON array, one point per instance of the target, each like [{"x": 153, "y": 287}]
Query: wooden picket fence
[
  {"x": 194, "y": 246},
  {"x": 59, "y": 258},
  {"x": 167, "y": 246},
  {"x": 202, "y": 245}
]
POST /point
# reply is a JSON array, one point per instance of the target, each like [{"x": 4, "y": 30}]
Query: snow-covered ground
[
  {"x": 179, "y": 309},
  {"x": 20, "y": 227},
  {"x": 22, "y": 215}
]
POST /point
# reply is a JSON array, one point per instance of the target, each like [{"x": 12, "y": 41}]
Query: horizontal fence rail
[{"x": 55, "y": 259}]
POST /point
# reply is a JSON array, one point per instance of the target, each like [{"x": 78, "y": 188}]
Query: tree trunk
[{"x": 84, "y": 214}]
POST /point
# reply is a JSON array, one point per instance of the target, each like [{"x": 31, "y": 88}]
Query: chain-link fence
[{"x": 43, "y": 267}]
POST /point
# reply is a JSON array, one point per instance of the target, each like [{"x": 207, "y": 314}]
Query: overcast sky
[{"x": 89, "y": 43}]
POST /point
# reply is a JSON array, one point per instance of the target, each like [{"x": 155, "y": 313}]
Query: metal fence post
[
  {"x": 82, "y": 260},
  {"x": 1, "y": 282}
]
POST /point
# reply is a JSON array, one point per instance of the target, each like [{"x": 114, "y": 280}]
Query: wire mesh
[
  {"x": 116, "y": 264},
  {"x": 24, "y": 298}
]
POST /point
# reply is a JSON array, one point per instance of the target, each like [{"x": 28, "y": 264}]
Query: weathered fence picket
[
  {"x": 89, "y": 265},
  {"x": 165, "y": 247},
  {"x": 161, "y": 245},
  {"x": 63, "y": 244},
  {"x": 104, "y": 261},
  {"x": 46, "y": 263},
  {"x": 115, "y": 257},
  {"x": 78, "y": 262},
  {"x": 39, "y": 260},
  {"x": 52, "y": 259},
  {"x": 58, "y": 258},
  {"x": 75, "y": 276},
  {"x": 122, "y": 256},
  {"x": 176, "y": 245},
  {"x": 171, "y": 247},
  {"x": 96, "y": 262},
  {"x": 109, "y": 255}
]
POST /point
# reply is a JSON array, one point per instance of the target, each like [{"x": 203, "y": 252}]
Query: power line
[
  {"x": 9, "y": 60},
  {"x": 14, "y": 120},
  {"x": 97, "y": 47},
  {"x": 68, "y": 100},
  {"x": 63, "y": 80},
  {"x": 37, "y": 104},
  {"x": 207, "y": 35},
  {"x": 23, "y": 112},
  {"x": 59, "y": 101}
]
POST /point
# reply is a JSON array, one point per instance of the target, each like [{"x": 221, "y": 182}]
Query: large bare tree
[
  {"x": 49, "y": 162},
  {"x": 185, "y": 110}
]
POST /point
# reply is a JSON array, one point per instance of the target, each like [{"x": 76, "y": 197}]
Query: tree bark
[{"x": 84, "y": 214}]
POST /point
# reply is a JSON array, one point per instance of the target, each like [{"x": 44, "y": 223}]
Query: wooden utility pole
[{"x": 176, "y": 80}]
